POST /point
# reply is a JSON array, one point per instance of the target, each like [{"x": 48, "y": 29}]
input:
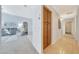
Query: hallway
[{"x": 65, "y": 45}]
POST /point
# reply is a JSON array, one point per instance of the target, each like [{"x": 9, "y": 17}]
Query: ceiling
[
  {"x": 64, "y": 9},
  {"x": 29, "y": 10},
  {"x": 19, "y": 10}
]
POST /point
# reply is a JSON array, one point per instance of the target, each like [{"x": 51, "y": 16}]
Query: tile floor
[
  {"x": 65, "y": 45},
  {"x": 17, "y": 45}
]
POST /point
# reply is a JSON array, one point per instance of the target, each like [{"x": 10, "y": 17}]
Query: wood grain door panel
[
  {"x": 46, "y": 27},
  {"x": 49, "y": 27},
  {"x": 49, "y": 34}
]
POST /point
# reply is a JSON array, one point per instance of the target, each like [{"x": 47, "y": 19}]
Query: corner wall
[
  {"x": 0, "y": 24},
  {"x": 77, "y": 25},
  {"x": 36, "y": 28},
  {"x": 56, "y": 33}
]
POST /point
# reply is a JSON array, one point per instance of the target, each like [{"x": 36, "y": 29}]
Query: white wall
[
  {"x": 77, "y": 25},
  {"x": 56, "y": 33},
  {"x": 74, "y": 27},
  {"x": 37, "y": 28},
  {"x": 0, "y": 24}
]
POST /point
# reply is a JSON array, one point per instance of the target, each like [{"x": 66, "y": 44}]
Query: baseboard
[{"x": 34, "y": 47}]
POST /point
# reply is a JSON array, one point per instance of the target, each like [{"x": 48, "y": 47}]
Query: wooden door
[
  {"x": 46, "y": 27},
  {"x": 49, "y": 27}
]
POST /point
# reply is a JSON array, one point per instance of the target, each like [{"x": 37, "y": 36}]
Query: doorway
[
  {"x": 25, "y": 27},
  {"x": 68, "y": 27},
  {"x": 46, "y": 27}
]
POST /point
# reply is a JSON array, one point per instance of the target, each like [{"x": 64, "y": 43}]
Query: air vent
[{"x": 25, "y": 5}]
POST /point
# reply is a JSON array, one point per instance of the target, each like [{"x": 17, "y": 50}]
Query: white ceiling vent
[{"x": 25, "y": 5}]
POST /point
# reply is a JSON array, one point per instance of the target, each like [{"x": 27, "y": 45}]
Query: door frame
[
  {"x": 70, "y": 22},
  {"x": 42, "y": 50}
]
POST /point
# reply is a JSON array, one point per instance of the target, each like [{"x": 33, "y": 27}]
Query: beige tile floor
[{"x": 65, "y": 45}]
